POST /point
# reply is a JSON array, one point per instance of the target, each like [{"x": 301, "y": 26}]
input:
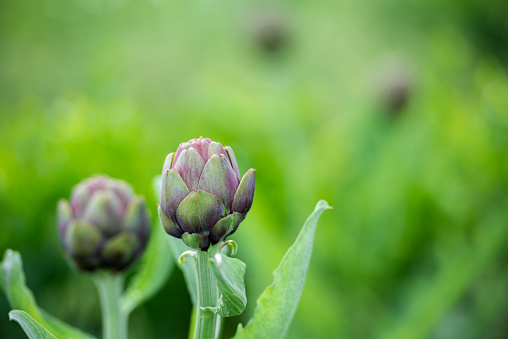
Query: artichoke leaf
[
  {"x": 230, "y": 273},
  {"x": 20, "y": 297},
  {"x": 277, "y": 304},
  {"x": 32, "y": 328}
]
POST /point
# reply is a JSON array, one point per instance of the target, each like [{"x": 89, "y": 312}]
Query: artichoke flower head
[
  {"x": 203, "y": 196},
  {"x": 104, "y": 226}
]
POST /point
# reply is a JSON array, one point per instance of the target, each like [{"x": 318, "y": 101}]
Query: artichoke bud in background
[
  {"x": 270, "y": 31},
  {"x": 394, "y": 84},
  {"x": 105, "y": 226},
  {"x": 203, "y": 196}
]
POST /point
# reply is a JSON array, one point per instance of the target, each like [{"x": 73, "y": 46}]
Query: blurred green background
[{"x": 395, "y": 112}]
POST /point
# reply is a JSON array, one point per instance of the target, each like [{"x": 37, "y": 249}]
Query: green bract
[
  {"x": 105, "y": 226},
  {"x": 203, "y": 197}
]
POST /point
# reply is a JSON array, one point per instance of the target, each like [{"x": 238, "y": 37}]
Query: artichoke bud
[
  {"x": 203, "y": 196},
  {"x": 104, "y": 226}
]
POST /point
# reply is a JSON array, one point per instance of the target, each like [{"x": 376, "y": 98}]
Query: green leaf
[
  {"x": 277, "y": 304},
  {"x": 32, "y": 328},
  {"x": 229, "y": 273},
  {"x": 177, "y": 247},
  {"x": 155, "y": 269},
  {"x": 12, "y": 281}
]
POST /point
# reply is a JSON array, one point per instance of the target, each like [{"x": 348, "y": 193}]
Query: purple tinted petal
[
  {"x": 136, "y": 218},
  {"x": 190, "y": 165},
  {"x": 81, "y": 194},
  {"x": 215, "y": 148},
  {"x": 79, "y": 199},
  {"x": 181, "y": 148},
  {"x": 105, "y": 212},
  {"x": 173, "y": 191},
  {"x": 64, "y": 213},
  {"x": 122, "y": 190},
  {"x": 200, "y": 145},
  {"x": 245, "y": 193},
  {"x": 219, "y": 179},
  {"x": 234, "y": 164},
  {"x": 169, "y": 225}
]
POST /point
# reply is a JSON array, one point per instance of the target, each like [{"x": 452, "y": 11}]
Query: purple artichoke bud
[
  {"x": 203, "y": 196},
  {"x": 105, "y": 226}
]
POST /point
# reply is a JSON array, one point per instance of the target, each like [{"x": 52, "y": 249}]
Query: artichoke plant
[
  {"x": 203, "y": 197},
  {"x": 105, "y": 226}
]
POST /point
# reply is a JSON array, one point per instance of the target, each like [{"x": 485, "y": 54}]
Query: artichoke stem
[
  {"x": 208, "y": 324},
  {"x": 114, "y": 320}
]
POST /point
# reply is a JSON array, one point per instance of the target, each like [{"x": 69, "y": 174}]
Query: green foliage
[
  {"x": 153, "y": 272},
  {"x": 85, "y": 89},
  {"x": 277, "y": 304},
  {"x": 12, "y": 279},
  {"x": 32, "y": 328},
  {"x": 229, "y": 273}
]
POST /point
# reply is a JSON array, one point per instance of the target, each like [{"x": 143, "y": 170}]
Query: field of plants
[{"x": 394, "y": 112}]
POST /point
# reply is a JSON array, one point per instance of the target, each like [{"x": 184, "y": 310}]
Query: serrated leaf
[
  {"x": 229, "y": 273},
  {"x": 177, "y": 247},
  {"x": 277, "y": 304},
  {"x": 32, "y": 328},
  {"x": 12, "y": 281},
  {"x": 154, "y": 271}
]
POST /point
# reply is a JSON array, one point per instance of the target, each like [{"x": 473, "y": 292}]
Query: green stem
[
  {"x": 207, "y": 323},
  {"x": 114, "y": 321},
  {"x": 192, "y": 326}
]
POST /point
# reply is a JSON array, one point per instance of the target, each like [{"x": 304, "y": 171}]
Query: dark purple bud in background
[
  {"x": 270, "y": 31},
  {"x": 104, "y": 226},
  {"x": 393, "y": 84}
]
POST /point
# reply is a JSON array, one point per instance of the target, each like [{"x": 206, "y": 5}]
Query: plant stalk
[
  {"x": 114, "y": 321},
  {"x": 208, "y": 324}
]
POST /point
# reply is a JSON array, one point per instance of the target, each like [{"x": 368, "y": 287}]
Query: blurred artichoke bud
[
  {"x": 394, "y": 83},
  {"x": 203, "y": 197},
  {"x": 105, "y": 226},
  {"x": 270, "y": 31}
]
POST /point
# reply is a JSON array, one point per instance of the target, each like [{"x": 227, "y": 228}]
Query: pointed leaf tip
[
  {"x": 32, "y": 328},
  {"x": 244, "y": 195},
  {"x": 233, "y": 161},
  {"x": 322, "y": 204},
  {"x": 270, "y": 320}
]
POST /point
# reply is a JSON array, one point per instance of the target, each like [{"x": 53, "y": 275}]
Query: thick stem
[
  {"x": 114, "y": 321},
  {"x": 207, "y": 323}
]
